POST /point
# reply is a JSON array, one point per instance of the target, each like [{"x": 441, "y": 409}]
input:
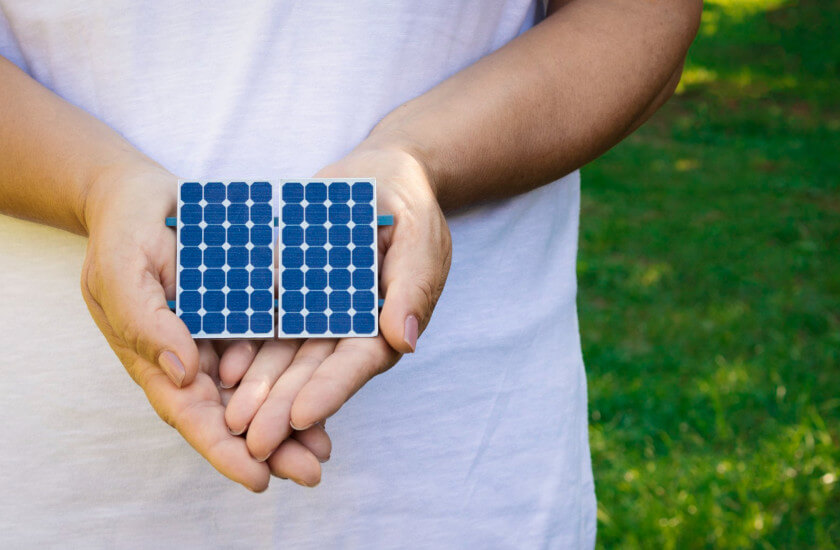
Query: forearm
[
  {"x": 548, "y": 102},
  {"x": 52, "y": 152}
]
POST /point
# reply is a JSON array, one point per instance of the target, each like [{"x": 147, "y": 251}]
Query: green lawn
[{"x": 710, "y": 294}]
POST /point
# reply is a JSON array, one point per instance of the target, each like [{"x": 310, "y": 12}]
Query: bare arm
[
  {"x": 548, "y": 102},
  {"x": 52, "y": 153}
]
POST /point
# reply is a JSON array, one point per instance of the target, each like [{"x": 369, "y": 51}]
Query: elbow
[
  {"x": 689, "y": 13},
  {"x": 686, "y": 24}
]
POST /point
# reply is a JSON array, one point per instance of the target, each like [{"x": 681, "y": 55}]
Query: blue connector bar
[{"x": 387, "y": 219}]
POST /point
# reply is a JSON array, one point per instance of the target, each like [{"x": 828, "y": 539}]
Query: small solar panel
[
  {"x": 327, "y": 258},
  {"x": 225, "y": 275}
]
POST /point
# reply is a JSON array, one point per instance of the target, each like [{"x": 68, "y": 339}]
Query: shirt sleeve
[{"x": 9, "y": 46}]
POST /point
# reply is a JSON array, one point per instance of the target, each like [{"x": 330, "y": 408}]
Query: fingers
[
  {"x": 236, "y": 358},
  {"x": 270, "y": 425},
  {"x": 414, "y": 271},
  {"x": 225, "y": 394},
  {"x": 208, "y": 359},
  {"x": 299, "y": 457},
  {"x": 273, "y": 358},
  {"x": 294, "y": 461},
  {"x": 132, "y": 300},
  {"x": 316, "y": 440},
  {"x": 351, "y": 365},
  {"x": 197, "y": 413}
]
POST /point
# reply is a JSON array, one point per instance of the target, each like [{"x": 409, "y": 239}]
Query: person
[{"x": 473, "y": 116}]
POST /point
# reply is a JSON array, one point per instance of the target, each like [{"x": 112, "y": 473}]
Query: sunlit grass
[
  {"x": 695, "y": 76},
  {"x": 744, "y": 8},
  {"x": 709, "y": 295},
  {"x": 735, "y": 11}
]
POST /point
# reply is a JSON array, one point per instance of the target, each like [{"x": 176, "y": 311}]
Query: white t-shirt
[{"x": 479, "y": 440}]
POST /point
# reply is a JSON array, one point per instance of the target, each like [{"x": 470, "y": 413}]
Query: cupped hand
[
  {"x": 293, "y": 385},
  {"x": 127, "y": 277}
]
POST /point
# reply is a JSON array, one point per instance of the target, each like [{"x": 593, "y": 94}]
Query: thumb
[
  {"x": 137, "y": 312},
  {"x": 414, "y": 271}
]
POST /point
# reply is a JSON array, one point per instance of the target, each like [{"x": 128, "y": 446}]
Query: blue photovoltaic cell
[
  {"x": 292, "y": 301},
  {"x": 292, "y": 279},
  {"x": 339, "y": 214},
  {"x": 339, "y": 257},
  {"x": 261, "y": 213},
  {"x": 225, "y": 283},
  {"x": 339, "y": 279},
  {"x": 261, "y": 256},
  {"x": 190, "y": 301},
  {"x": 292, "y": 236},
  {"x": 292, "y": 214},
  {"x": 262, "y": 300},
  {"x": 215, "y": 214},
  {"x": 327, "y": 258},
  {"x": 339, "y": 235},
  {"x": 192, "y": 214},
  {"x": 237, "y": 191},
  {"x": 191, "y": 256},
  {"x": 340, "y": 301},
  {"x": 316, "y": 235},
  {"x": 340, "y": 322},
  {"x": 190, "y": 279},
  {"x": 292, "y": 192},
  {"x": 261, "y": 192},
  {"x": 363, "y": 257},
  {"x": 214, "y": 235},
  {"x": 239, "y": 213},
  {"x": 237, "y": 278},
  {"x": 315, "y": 279}
]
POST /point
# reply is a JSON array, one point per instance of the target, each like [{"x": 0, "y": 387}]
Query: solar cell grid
[
  {"x": 225, "y": 253},
  {"x": 327, "y": 258}
]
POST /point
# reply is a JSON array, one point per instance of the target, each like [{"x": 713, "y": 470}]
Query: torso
[{"x": 480, "y": 438}]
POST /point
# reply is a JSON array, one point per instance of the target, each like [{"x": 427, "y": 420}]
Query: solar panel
[
  {"x": 225, "y": 275},
  {"x": 328, "y": 260}
]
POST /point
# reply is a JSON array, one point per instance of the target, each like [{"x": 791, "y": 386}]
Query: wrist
[
  {"x": 411, "y": 154},
  {"x": 137, "y": 190}
]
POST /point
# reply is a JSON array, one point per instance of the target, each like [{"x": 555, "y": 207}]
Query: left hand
[
  {"x": 128, "y": 275},
  {"x": 289, "y": 384}
]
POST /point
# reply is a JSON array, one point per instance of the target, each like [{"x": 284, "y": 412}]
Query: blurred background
[{"x": 710, "y": 294}]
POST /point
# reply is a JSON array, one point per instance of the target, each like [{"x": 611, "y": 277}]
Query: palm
[{"x": 197, "y": 412}]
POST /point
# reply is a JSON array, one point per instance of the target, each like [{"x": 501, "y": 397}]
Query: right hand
[{"x": 127, "y": 277}]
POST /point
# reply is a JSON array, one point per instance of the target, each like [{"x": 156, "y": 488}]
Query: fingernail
[
  {"x": 306, "y": 483},
  {"x": 325, "y": 460},
  {"x": 240, "y": 432},
  {"x": 172, "y": 366},
  {"x": 292, "y": 424},
  {"x": 411, "y": 330},
  {"x": 224, "y": 386}
]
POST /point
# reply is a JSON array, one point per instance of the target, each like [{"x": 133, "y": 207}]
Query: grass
[{"x": 710, "y": 294}]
